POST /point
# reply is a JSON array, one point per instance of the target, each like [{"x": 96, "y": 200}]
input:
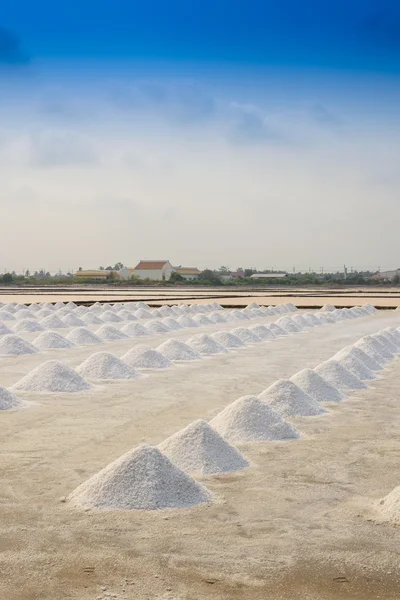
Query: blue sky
[{"x": 200, "y": 121}]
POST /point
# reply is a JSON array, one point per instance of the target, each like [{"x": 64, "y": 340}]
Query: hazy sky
[{"x": 243, "y": 132}]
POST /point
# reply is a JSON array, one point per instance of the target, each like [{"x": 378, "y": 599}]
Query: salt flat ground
[{"x": 298, "y": 524}]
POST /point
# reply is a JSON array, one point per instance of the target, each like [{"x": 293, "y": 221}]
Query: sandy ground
[{"x": 298, "y": 524}]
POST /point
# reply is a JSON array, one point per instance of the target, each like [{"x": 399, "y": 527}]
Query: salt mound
[
  {"x": 83, "y": 337},
  {"x": 186, "y": 321},
  {"x": 338, "y": 376},
  {"x": 4, "y": 329},
  {"x": 239, "y": 314},
  {"x": 368, "y": 348},
  {"x": 377, "y": 344},
  {"x": 288, "y": 325},
  {"x": 52, "y": 322},
  {"x": 53, "y": 376},
  {"x": 200, "y": 449},
  {"x": 301, "y": 321},
  {"x": 156, "y": 326},
  {"x": 202, "y": 319},
  {"x": 110, "y": 317},
  {"x": 142, "y": 305},
  {"x": 393, "y": 335},
  {"x": 262, "y": 332},
  {"x": 13, "y": 345},
  {"x": 176, "y": 350},
  {"x": 205, "y": 344},
  {"x": 103, "y": 365},
  {"x": 362, "y": 356},
  {"x": 125, "y": 315},
  {"x": 73, "y": 321},
  {"x": 141, "y": 479},
  {"x": 91, "y": 319},
  {"x": 355, "y": 366},
  {"x": 6, "y": 316},
  {"x": 59, "y": 305},
  {"x": 27, "y": 325},
  {"x": 316, "y": 386},
  {"x": 289, "y": 400},
  {"x": 143, "y": 357},
  {"x": 247, "y": 336},
  {"x": 389, "y": 506},
  {"x": 108, "y": 333},
  {"x": 249, "y": 419},
  {"x": 386, "y": 342},
  {"x": 51, "y": 339},
  {"x": 171, "y": 324},
  {"x": 228, "y": 340},
  {"x": 276, "y": 330},
  {"x": 134, "y": 330},
  {"x": 328, "y": 308},
  {"x": 253, "y": 305},
  {"x": 25, "y": 314},
  {"x": 370, "y": 309},
  {"x": 71, "y": 305},
  {"x": 143, "y": 314},
  {"x": 8, "y": 400}
]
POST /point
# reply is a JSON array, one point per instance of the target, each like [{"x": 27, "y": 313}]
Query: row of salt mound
[
  {"x": 249, "y": 419},
  {"x": 362, "y": 356},
  {"x": 142, "y": 479},
  {"x": 103, "y": 366},
  {"x": 53, "y": 376},
  {"x": 368, "y": 348},
  {"x": 337, "y": 375},
  {"x": 247, "y": 336},
  {"x": 375, "y": 346},
  {"x": 143, "y": 357},
  {"x": 177, "y": 350},
  {"x": 289, "y": 400},
  {"x": 316, "y": 386},
  {"x": 228, "y": 339},
  {"x": 355, "y": 366},
  {"x": 198, "y": 448},
  {"x": 263, "y": 332},
  {"x": 387, "y": 342},
  {"x": 205, "y": 344}
]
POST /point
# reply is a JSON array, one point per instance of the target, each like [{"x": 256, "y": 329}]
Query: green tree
[
  {"x": 7, "y": 278},
  {"x": 175, "y": 277}
]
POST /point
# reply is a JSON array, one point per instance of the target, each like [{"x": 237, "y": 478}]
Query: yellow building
[{"x": 99, "y": 275}]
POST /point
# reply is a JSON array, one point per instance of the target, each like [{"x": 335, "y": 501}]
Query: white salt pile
[
  {"x": 240, "y": 315},
  {"x": 289, "y": 400},
  {"x": 202, "y": 320},
  {"x": 247, "y": 336},
  {"x": 134, "y": 330},
  {"x": 156, "y": 326},
  {"x": 276, "y": 330},
  {"x": 51, "y": 339},
  {"x": 377, "y": 344},
  {"x": 176, "y": 350},
  {"x": 205, "y": 344},
  {"x": 126, "y": 315},
  {"x": 52, "y": 322},
  {"x": 143, "y": 357},
  {"x": 13, "y": 345},
  {"x": 386, "y": 342},
  {"x": 355, "y": 366},
  {"x": 103, "y": 366},
  {"x": 249, "y": 419},
  {"x": 338, "y": 376},
  {"x": 143, "y": 314},
  {"x": 53, "y": 376},
  {"x": 393, "y": 335},
  {"x": 73, "y": 321},
  {"x": 288, "y": 325},
  {"x": 171, "y": 324},
  {"x": 186, "y": 321},
  {"x": 6, "y": 316},
  {"x": 71, "y": 305},
  {"x": 110, "y": 317},
  {"x": 27, "y": 325},
  {"x": 368, "y": 348},
  {"x": 142, "y": 305},
  {"x": 301, "y": 321},
  {"x": 59, "y": 305},
  {"x": 328, "y": 308},
  {"x": 316, "y": 386},
  {"x": 108, "y": 333},
  {"x": 263, "y": 332},
  {"x": 91, "y": 319},
  {"x": 8, "y": 400},
  {"x": 253, "y": 305},
  {"x": 4, "y": 329},
  {"x": 228, "y": 340},
  {"x": 201, "y": 449},
  {"x": 141, "y": 479},
  {"x": 361, "y": 355},
  {"x": 389, "y": 506},
  {"x": 83, "y": 337},
  {"x": 25, "y": 314},
  {"x": 81, "y": 310}
]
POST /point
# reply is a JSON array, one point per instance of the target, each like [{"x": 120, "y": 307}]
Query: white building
[
  {"x": 125, "y": 273},
  {"x": 188, "y": 273},
  {"x": 158, "y": 270},
  {"x": 268, "y": 275}
]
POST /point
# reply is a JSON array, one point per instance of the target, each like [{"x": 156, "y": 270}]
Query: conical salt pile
[
  {"x": 338, "y": 376},
  {"x": 200, "y": 449},
  {"x": 364, "y": 358},
  {"x": 368, "y": 348},
  {"x": 328, "y": 308},
  {"x": 143, "y": 314},
  {"x": 386, "y": 342},
  {"x": 91, "y": 319},
  {"x": 301, "y": 321},
  {"x": 73, "y": 321},
  {"x": 240, "y": 315},
  {"x": 13, "y": 345},
  {"x": 186, "y": 321},
  {"x": 247, "y": 336},
  {"x": 6, "y": 316},
  {"x": 311, "y": 318},
  {"x": 393, "y": 335},
  {"x": 249, "y": 419},
  {"x": 141, "y": 479},
  {"x": 389, "y": 506},
  {"x": 228, "y": 339},
  {"x": 217, "y": 317},
  {"x": 27, "y": 325},
  {"x": 355, "y": 366},
  {"x": 276, "y": 330},
  {"x": 110, "y": 317},
  {"x": 205, "y": 344},
  {"x": 156, "y": 326},
  {"x": 316, "y": 386},
  {"x": 108, "y": 333},
  {"x": 53, "y": 376},
  {"x": 176, "y": 350},
  {"x": 381, "y": 346},
  {"x": 134, "y": 330},
  {"x": 289, "y": 400},
  {"x": 8, "y": 400},
  {"x": 71, "y": 305},
  {"x": 83, "y": 337},
  {"x": 171, "y": 324},
  {"x": 288, "y": 325},
  {"x": 103, "y": 365},
  {"x": 24, "y": 314},
  {"x": 4, "y": 329},
  {"x": 262, "y": 332},
  {"x": 370, "y": 309},
  {"x": 51, "y": 339},
  {"x": 142, "y": 357},
  {"x": 126, "y": 315},
  {"x": 52, "y": 322}
]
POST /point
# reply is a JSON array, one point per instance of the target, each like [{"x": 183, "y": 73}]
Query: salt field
[{"x": 199, "y": 452}]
